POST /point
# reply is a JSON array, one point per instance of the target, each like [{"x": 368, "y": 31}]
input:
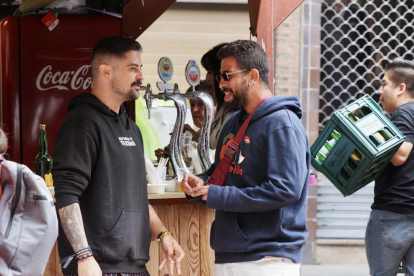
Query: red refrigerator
[{"x": 41, "y": 71}]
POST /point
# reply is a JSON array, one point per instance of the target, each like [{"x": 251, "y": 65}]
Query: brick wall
[
  {"x": 287, "y": 55},
  {"x": 297, "y": 72}
]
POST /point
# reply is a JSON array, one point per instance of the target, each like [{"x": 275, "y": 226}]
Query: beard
[
  {"x": 128, "y": 94},
  {"x": 239, "y": 100}
]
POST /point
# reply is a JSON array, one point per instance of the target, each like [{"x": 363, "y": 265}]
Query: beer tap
[
  {"x": 171, "y": 92},
  {"x": 192, "y": 74},
  {"x": 148, "y": 96}
]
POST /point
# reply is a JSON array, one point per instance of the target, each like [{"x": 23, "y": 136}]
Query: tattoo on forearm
[
  {"x": 151, "y": 208},
  {"x": 72, "y": 224}
]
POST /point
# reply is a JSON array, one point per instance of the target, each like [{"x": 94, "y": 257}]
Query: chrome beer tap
[
  {"x": 170, "y": 92},
  {"x": 203, "y": 148}
]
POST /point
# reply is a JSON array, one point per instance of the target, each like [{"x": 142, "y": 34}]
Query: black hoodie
[{"x": 99, "y": 163}]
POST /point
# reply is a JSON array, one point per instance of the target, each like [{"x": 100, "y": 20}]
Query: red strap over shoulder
[{"x": 219, "y": 175}]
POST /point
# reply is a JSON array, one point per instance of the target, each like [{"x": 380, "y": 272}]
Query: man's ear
[
  {"x": 402, "y": 88},
  {"x": 254, "y": 75},
  {"x": 105, "y": 70}
]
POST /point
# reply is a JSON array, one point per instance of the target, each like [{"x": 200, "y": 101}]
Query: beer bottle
[
  {"x": 343, "y": 176},
  {"x": 378, "y": 138},
  {"x": 327, "y": 147},
  {"x": 401, "y": 270},
  {"x": 353, "y": 117},
  {"x": 43, "y": 161},
  {"x": 364, "y": 111},
  {"x": 336, "y": 135}
]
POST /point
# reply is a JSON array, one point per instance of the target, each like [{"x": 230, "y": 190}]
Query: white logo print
[
  {"x": 127, "y": 141},
  {"x": 63, "y": 81}
]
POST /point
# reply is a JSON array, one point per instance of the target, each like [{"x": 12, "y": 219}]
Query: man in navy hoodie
[
  {"x": 260, "y": 224},
  {"x": 99, "y": 174}
]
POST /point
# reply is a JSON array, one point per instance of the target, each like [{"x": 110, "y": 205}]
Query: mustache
[
  {"x": 139, "y": 83},
  {"x": 224, "y": 89}
]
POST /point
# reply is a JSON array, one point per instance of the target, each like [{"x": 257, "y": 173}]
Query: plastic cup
[
  {"x": 180, "y": 176},
  {"x": 163, "y": 174}
]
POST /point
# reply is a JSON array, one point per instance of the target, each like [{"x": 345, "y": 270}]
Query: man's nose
[
  {"x": 380, "y": 91},
  {"x": 140, "y": 75}
]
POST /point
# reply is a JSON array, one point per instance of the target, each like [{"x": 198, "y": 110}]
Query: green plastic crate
[{"x": 357, "y": 136}]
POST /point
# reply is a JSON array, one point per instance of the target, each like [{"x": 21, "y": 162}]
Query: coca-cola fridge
[{"x": 41, "y": 71}]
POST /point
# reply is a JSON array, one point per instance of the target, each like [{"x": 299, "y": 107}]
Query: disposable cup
[{"x": 180, "y": 176}]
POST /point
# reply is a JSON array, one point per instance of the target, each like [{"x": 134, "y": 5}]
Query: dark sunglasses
[{"x": 226, "y": 76}]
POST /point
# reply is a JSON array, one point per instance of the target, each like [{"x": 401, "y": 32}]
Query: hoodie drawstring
[{"x": 127, "y": 123}]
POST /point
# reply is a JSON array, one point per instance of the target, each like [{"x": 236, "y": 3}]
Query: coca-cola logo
[{"x": 74, "y": 80}]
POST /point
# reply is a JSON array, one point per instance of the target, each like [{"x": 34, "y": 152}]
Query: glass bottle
[
  {"x": 43, "y": 161},
  {"x": 353, "y": 117},
  {"x": 327, "y": 147},
  {"x": 401, "y": 269}
]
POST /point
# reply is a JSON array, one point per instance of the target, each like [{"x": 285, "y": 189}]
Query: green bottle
[
  {"x": 401, "y": 269},
  {"x": 336, "y": 135},
  {"x": 327, "y": 147},
  {"x": 43, "y": 161},
  {"x": 363, "y": 112},
  {"x": 320, "y": 157},
  {"x": 353, "y": 117},
  {"x": 342, "y": 177}
]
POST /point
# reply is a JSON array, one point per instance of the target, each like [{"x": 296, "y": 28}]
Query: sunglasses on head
[{"x": 226, "y": 76}]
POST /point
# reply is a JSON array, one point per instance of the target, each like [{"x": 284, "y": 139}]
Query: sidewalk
[{"x": 335, "y": 270}]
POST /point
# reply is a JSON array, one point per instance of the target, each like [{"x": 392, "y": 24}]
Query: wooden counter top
[
  {"x": 167, "y": 198},
  {"x": 166, "y": 195}
]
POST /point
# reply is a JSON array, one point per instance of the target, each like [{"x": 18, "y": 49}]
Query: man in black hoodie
[{"x": 100, "y": 177}]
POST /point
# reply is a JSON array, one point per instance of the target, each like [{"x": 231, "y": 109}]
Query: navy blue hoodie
[{"x": 261, "y": 210}]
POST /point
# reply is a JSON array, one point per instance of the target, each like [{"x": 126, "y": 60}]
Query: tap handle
[{"x": 148, "y": 98}]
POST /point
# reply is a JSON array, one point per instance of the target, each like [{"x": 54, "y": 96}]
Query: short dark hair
[
  {"x": 249, "y": 55},
  {"x": 402, "y": 71},
  {"x": 112, "y": 47},
  {"x": 212, "y": 64},
  {"x": 204, "y": 86}
]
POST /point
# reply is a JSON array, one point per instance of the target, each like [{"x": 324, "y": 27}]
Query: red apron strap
[{"x": 219, "y": 175}]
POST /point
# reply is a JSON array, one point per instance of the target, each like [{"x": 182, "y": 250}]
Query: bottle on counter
[{"x": 43, "y": 161}]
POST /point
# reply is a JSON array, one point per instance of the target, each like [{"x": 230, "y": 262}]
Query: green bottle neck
[{"x": 43, "y": 143}]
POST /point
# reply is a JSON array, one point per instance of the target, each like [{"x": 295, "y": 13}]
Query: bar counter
[{"x": 190, "y": 225}]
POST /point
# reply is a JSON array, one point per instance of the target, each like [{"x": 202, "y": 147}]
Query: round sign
[
  {"x": 192, "y": 73},
  {"x": 165, "y": 69}
]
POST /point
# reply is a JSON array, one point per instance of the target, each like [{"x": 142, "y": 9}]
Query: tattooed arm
[
  {"x": 72, "y": 224},
  {"x": 172, "y": 250}
]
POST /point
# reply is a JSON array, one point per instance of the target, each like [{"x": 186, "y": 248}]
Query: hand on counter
[
  {"x": 89, "y": 267},
  {"x": 194, "y": 186},
  {"x": 173, "y": 254}
]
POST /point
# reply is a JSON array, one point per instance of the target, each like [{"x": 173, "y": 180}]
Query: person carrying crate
[{"x": 389, "y": 236}]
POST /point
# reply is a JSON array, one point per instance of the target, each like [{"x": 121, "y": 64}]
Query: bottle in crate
[
  {"x": 328, "y": 146},
  {"x": 359, "y": 113},
  {"x": 351, "y": 165},
  {"x": 381, "y": 136}
]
